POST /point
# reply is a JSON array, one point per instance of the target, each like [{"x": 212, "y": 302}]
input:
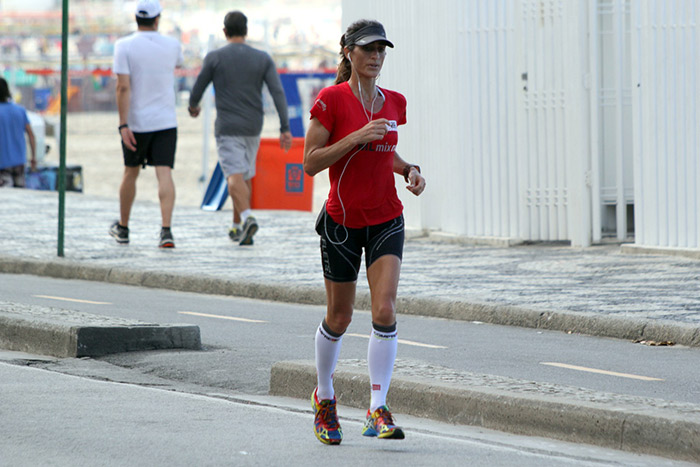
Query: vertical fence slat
[
  {"x": 621, "y": 205},
  {"x": 694, "y": 124},
  {"x": 666, "y": 156},
  {"x": 594, "y": 135}
]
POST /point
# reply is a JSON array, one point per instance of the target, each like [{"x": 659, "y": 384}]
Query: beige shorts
[{"x": 237, "y": 154}]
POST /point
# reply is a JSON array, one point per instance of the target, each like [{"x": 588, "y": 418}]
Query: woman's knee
[
  {"x": 338, "y": 321},
  {"x": 384, "y": 313}
]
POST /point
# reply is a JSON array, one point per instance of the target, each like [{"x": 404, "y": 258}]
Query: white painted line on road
[
  {"x": 232, "y": 318},
  {"x": 403, "y": 341},
  {"x": 72, "y": 300},
  {"x": 602, "y": 372}
]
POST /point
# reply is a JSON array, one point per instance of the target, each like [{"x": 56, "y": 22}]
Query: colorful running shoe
[
  {"x": 381, "y": 424},
  {"x": 326, "y": 425}
]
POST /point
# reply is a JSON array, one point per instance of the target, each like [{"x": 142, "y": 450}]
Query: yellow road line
[
  {"x": 72, "y": 300},
  {"x": 402, "y": 341},
  {"x": 232, "y": 318},
  {"x": 602, "y": 372}
]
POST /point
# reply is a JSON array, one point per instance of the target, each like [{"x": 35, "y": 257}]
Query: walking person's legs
[
  {"x": 119, "y": 230},
  {"x": 166, "y": 193},
  {"x": 237, "y": 155},
  {"x": 244, "y": 223},
  {"x": 127, "y": 194},
  {"x": 236, "y": 210},
  {"x": 239, "y": 189}
]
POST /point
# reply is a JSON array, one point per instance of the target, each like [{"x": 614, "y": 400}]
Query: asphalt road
[
  {"x": 61, "y": 420},
  {"x": 211, "y": 407},
  {"x": 242, "y": 338}
]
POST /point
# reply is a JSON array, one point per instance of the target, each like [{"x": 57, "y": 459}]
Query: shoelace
[
  {"x": 385, "y": 417},
  {"x": 327, "y": 414}
]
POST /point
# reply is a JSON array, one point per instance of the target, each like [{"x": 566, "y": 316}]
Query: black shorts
[
  {"x": 341, "y": 247},
  {"x": 152, "y": 148},
  {"x": 13, "y": 176}
]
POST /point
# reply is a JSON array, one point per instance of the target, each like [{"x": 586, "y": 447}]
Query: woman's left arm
[{"x": 411, "y": 173}]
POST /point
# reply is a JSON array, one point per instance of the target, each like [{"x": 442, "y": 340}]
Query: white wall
[{"x": 666, "y": 90}]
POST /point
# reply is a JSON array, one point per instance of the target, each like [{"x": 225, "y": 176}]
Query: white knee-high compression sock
[
  {"x": 327, "y": 350},
  {"x": 381, "y": 355}
]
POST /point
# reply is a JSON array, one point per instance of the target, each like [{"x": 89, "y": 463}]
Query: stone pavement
[{"x": 597, "y": 291}]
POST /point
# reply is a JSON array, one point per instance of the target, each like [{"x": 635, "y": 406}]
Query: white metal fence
[
  {"x": 528, "y": 122},
  {"x": 666, "y": 78}
]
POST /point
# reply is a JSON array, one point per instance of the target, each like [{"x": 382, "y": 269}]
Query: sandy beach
[{"x": 92, "y": 142}]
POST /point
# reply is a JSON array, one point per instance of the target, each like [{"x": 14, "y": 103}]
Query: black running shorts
[
  {"x": 154, "y": 148},
  {"x": 341, "y": 247}
]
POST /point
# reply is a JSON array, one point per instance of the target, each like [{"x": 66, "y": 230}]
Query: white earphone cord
[{"x": 342, "y": 206}]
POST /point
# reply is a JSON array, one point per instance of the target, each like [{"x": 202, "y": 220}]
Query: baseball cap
[
  {"x": 148, "y": 8},
  {"x": 368, "y": 34}
]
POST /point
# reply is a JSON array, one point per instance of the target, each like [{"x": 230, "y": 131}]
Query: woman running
[{"x": 353, "y": 132}]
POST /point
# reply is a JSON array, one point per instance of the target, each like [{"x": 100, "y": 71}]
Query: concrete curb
[
  {"x": 618, "y": 422},
  {"x": 63, "y": 333},
  {"x": 634, "y": 249},
  {"x": 594, "y": 325}
]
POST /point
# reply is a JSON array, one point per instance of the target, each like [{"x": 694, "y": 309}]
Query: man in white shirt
[{"x": 144, "y": 63}]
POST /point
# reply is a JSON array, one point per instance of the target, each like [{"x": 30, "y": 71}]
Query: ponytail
[{"x": 344, "y": 67}]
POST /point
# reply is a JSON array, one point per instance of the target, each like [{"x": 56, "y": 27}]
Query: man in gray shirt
[{"x": 238, "y": 72}]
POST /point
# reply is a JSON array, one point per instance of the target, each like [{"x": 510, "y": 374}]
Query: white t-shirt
[{"x": 150, "y": 59}]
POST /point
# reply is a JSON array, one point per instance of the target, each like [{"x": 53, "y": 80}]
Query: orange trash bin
[{"x": 280, "y": 181}]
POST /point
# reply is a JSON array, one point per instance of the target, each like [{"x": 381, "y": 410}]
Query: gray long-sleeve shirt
[{"x": 238, "y": 72}]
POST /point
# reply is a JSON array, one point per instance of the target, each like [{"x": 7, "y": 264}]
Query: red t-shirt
[{"x": 367, "y": 187}]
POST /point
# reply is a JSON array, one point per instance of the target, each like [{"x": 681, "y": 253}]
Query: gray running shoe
[
  {"x": 120, "y": 234},
  {"x": 250, "y": 227},
  {"x": 234, "y": 233},
  {"x": 166, "y": 238}
]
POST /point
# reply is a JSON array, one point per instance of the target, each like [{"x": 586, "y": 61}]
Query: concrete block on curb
[
  {"x": 628, "y": 423},
  {"x": 66, "y": 333}
]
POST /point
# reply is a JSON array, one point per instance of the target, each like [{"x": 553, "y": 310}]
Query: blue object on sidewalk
[
  {"x": 217, "y": 191},
  {"x": 46, "y": 178}
]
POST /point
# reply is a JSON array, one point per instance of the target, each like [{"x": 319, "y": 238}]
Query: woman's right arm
[{"x": 318, "y": 156}]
